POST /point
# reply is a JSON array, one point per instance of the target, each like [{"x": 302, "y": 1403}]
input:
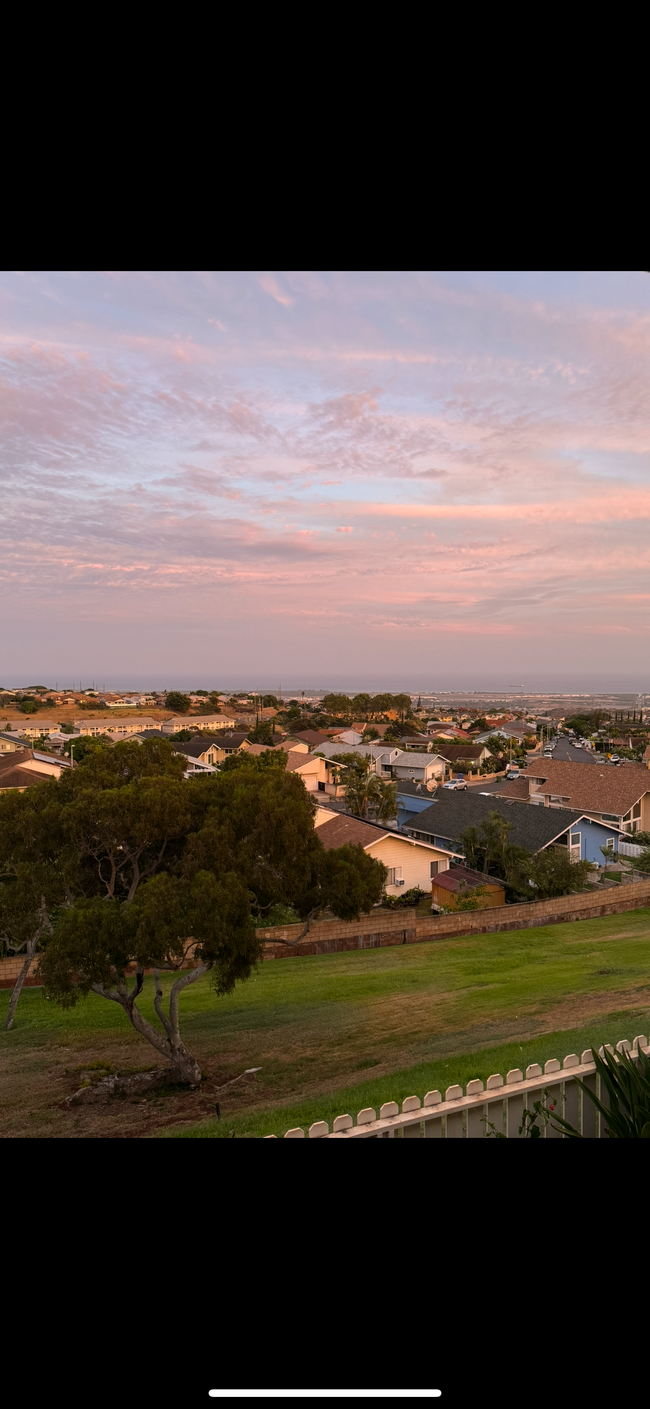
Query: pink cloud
[{"x": 143, "y": 452}]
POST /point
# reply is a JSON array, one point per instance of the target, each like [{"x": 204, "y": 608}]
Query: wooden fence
[{"x": 481, "y": 1111}]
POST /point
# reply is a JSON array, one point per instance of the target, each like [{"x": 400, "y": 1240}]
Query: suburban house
[
  {"x": 413, "y": 798},
  {"x": 446, "y": 818},
  {"x": 318, "y": 774},
  {"x": 459, "y": 881},
  {"x": 381, "y": 755},
  {"x": 619, "y": 797},
  {"x": 347, "y": 736},
  {"x": 8, "y": 745},
  {"x": 313, "y": 738},
  {"x": 207, "y": 752},
  {"x": 116, "y": 726},
  {"x": 204, "y": 721},
  {"x": 24, "y": 768},
  {"x": 419, "y": 767},
  {"x": 222, "y": 746},
  {"x": 457, "y": 754},
  {"x": 32, "y": 728},
  {"x": 409, "y": 862}
]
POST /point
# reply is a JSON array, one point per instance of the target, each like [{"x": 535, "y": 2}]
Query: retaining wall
[
  {"x": 382, "y": 928},
  {"x": 406, "y": 927}
]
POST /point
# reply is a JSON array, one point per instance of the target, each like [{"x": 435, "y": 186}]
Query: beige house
[
  {"x": 409, "y": 862},
  {"x": 318, "y": 774},
  {"x": 203, "y": 721},
  {"x": 115, "y": 725},
  {"x": 33, "y": 728},
  {"x": 8, "y": 746},
  {"x": 22, "y": 770}
]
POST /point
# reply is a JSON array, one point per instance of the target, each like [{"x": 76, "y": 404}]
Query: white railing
[
  {"x": 627, "y": 848},
  {"x": 494, "y": 1109}
]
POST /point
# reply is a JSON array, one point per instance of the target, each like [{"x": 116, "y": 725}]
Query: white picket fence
[
  {"x": 486, "y": 1110},
  {"x": 628, "y": 848}
]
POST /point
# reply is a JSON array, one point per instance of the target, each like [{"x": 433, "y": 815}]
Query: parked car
[
  {"x": 615, "y": 758},
  {"x": 456, "y": 786}
]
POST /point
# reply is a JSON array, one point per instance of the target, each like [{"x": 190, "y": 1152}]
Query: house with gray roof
[{"x": 534, "y": 828}]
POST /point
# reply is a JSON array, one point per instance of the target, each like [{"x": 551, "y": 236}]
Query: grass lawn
[{"x": 339, "y": 1031}]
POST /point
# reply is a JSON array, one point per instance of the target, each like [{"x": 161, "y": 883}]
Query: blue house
[{"x": 444, "y": 817}]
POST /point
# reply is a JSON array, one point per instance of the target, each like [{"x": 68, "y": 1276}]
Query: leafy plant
[
  {"x": 533, "y": 1123},
  {"x": 628, "y": 1086},
  {"x": 402, "y": 902}
]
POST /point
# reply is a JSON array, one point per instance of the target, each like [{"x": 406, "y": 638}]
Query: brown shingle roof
[
  {"x": 589, "y": 788},
  {"x": 519, "y": 788},
  {"x": 314, "y": 737},
  {"x": 352, "y": 830},
  {"x": 13, "y": 760},
  {"x": 452, "y": 879},
  {"x": 454, "y": 753},
  {"x": 21, "y": 778},
  {"x": 296, "y": 759}
]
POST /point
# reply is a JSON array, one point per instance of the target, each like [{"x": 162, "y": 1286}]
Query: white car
[{"x": 455, "y": 786}]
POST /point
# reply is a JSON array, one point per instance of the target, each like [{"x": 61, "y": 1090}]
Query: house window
[
  {"x": 636, "y": 810},
  {"x": 609, "y": 844},
  {"x": 395, "y": 874},
  {"x": 610, "y": 817},
  {"x": 321, "y": 787},
  {"x": 434, "y": 867}
]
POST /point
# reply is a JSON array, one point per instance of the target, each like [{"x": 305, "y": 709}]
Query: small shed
[{"x": 448, "y": 886}]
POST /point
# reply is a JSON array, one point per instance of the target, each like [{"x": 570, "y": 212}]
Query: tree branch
[
  {"x": 157, "y": 1003},
  {"x": 177, "y": 988},
  {"x": 291, "y": 943}
]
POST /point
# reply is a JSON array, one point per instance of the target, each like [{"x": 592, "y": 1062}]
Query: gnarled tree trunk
[
  {"x": 170, "y": 1045},
  {"x": 18, "y": 986}
]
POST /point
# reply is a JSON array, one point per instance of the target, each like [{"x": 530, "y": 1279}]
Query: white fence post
[
  {"x": 554, "y": 1098},
  {"x": 499, "y": 1105}
]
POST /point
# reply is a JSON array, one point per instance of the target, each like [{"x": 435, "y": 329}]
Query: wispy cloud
[{"x": 483, "y": 441}]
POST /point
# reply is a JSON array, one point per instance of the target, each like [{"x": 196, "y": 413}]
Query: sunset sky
[{"x": 415, "y": 480}]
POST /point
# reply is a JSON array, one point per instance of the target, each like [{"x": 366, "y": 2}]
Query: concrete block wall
[
  {"x": 389, "y": 927},
  {"x": 406, "y": 927}
]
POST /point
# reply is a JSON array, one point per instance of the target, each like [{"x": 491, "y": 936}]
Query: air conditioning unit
[{"x": 398, "y": 883}]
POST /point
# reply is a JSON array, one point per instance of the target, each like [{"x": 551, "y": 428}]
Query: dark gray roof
[
  {"x": 195, "y": 747},
  {"x": 407, "y": 787},
  {"x": 532, "y": 827}
]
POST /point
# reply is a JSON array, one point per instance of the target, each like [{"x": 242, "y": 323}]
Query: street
[{"x": 566, "y": 752}]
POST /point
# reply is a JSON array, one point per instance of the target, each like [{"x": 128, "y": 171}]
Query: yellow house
[
  {"x": 409, "y": 863},
  {"x": 318, "y": 774}
]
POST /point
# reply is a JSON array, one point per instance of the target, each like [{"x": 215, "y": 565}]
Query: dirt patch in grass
[{"x": 324, "y": 1023}]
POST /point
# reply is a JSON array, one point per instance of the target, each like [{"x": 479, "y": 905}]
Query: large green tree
[
  {"x": 122, "y": 866},
  {"x": 337, "y": 705},
  {"x": 541, "y": 876},
  {"x": 178, "y": 702}
]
